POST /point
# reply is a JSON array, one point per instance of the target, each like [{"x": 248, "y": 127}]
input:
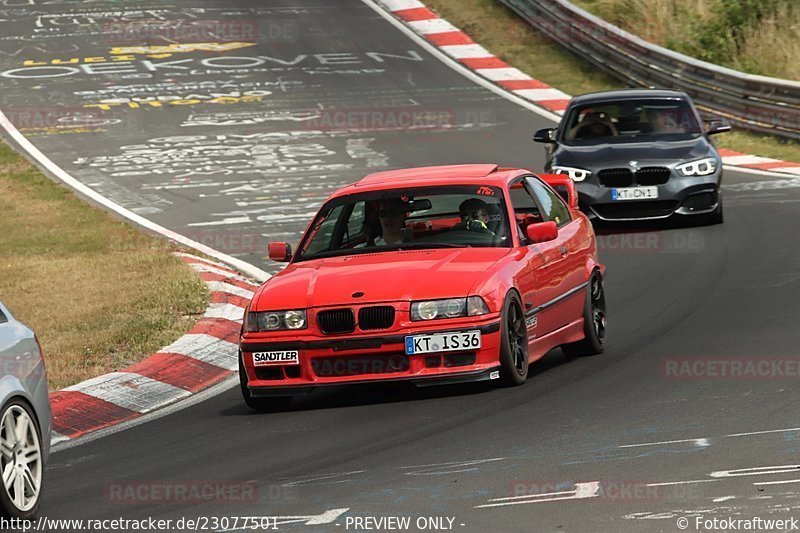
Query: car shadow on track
[
  {"x": 336, "y": 396},
  {"x": 605, "y": 227}
]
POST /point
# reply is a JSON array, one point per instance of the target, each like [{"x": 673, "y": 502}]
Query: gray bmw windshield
[{"x": 623, "y": 121}]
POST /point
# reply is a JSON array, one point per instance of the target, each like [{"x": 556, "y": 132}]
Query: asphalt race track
[{"x": 243, "y": 145}]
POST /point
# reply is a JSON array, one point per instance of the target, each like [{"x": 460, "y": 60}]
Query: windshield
[
  {"x": 620, "y": 121},
  {"x": 401, "y": 219}
]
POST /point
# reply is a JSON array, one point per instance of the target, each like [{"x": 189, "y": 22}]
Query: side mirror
[
  {"x": 546, "y": 135},
  {"x": 279, "y": 251},
  {"x": 718, "y": 126},
  {"x": 542, "y": 232}
]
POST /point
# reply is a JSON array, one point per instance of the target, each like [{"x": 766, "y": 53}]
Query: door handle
[{"x": 563, "y": 251}]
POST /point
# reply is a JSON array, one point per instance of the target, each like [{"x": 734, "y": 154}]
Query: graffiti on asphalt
[
  {"x": 184, "y": 157},
  {"x": 147, "y": 68}
]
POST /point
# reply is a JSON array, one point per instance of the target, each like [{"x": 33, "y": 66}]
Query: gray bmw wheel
[{"x": 20, "y": 460}]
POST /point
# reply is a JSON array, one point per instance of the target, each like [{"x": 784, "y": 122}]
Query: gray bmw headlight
[
  {"x": 275, "y": 320},
  {"x": 448, "y": 308},
  {"x": 701, "y": 167},
  {"x": 575, "y": 174}
]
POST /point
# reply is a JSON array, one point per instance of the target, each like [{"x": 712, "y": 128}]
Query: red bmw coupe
[{"x": 430, "y": 275}]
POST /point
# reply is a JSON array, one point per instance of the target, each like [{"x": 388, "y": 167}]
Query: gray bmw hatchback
[{"x": 638, "y": 154}]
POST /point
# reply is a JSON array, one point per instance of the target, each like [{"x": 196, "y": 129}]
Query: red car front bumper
[{"x": 330, "y": 360}]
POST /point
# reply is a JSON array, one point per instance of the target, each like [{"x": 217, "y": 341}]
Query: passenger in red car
[{"x": 392, "y": 216}]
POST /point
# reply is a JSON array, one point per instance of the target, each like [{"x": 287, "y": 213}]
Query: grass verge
[
  {"x": 756, "y": 36},
  {"x": 99, "y": 293},
  {"x": 510, "y": 38}
]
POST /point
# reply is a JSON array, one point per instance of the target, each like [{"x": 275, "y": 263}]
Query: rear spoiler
[{"x": 564, "y": 186}]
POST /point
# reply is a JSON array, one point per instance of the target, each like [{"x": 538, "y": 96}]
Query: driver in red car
[{"x": 474, "y": 214}]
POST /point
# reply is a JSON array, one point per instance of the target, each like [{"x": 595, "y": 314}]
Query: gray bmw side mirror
[{"x": 546, "y": 135}]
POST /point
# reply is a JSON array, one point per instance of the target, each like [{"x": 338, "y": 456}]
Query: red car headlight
[
  {"x": 448, "y": 308},
  {"x": 275, "y": 320}
]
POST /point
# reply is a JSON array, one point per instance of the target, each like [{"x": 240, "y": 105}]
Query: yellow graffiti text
[
  {"x": 179, "y": 48},
  {"x": 106, "y": 106},
  {"x": 129, "y": 53}
]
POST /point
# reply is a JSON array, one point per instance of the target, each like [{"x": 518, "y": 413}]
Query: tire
[
  {"x": 594, "y": 321},
  {"x": 21, "y": 455},
  {"x": 513, "y": 342},
  {"x": 264, "y": 404}
]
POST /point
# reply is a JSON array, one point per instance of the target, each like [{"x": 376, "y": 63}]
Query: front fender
[{"x": 500, "y": 279}]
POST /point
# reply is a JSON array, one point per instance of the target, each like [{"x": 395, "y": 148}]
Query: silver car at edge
[{"x": 25, "y": 418}]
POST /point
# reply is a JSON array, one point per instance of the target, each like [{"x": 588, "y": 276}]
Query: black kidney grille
[
  {"x": 636, "y": 209},
  {"x": 615, "y": 177},
  {"x": 336, "y": 321},
  {"x": 653, "y": 175},
  {"x": 380, "y": 317}
]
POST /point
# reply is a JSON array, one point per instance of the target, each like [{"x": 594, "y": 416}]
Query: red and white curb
[
  {"x": 754, "y": 162},
  {"x": 459, "y": 46},
  {"x": 203, "y": 357}
]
